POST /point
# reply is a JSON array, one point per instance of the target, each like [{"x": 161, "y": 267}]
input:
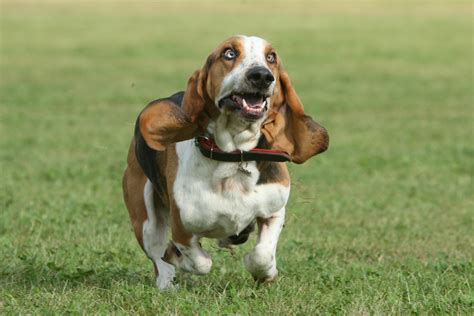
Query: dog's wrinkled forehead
[{"x": 254, "y": 51}]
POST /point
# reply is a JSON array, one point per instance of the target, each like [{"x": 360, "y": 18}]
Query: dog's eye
[
  {"x": 271, "y": 58},
  {"x": 229, "y": 54}
]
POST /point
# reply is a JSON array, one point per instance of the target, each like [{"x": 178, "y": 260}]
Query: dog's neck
[{"x": 231, "y": 132}]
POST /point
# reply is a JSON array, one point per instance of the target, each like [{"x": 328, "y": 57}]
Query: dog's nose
[{"x": 260, "y": 77}]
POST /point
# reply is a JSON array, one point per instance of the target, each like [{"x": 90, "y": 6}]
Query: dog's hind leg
[
  {"x": 155, "y": 238},
  {"x": 149, "y": 217}
]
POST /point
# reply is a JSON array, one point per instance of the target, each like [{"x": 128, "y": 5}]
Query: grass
[{"x": 380, "y": 224}]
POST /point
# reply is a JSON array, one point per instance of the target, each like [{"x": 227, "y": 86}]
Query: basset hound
[{"x": 210, "y": 161}]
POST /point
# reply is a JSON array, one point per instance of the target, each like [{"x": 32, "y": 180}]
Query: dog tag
[{"x": 242, "y": 169}]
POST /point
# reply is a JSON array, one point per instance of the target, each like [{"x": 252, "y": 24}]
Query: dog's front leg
[
  {"x": 185, "y": 251},
  {"x": 193, "y": 258},
  {"x": 261, "y": 261}
]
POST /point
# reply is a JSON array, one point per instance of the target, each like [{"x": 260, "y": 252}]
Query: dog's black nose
[{"x": 260, "y": 77}]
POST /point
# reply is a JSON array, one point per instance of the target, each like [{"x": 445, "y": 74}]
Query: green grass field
[{"x": 382, "y": 223}]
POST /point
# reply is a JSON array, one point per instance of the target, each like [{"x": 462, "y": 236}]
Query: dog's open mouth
[{"x": 251, "y": 105}]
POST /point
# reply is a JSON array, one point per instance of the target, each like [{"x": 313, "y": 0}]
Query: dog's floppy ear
[
  {"x": 164, "y": 122},
  {"x": 194, "y": 100},
  {"x": 289, "y": 129}
]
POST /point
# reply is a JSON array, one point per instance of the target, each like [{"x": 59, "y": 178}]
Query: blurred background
[{"x": 381, "y": 223}]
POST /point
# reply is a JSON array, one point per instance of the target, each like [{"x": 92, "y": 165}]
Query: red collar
[{"x": 209, "y": 149}]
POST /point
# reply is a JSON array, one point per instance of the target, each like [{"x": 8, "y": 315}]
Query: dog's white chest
[{"x": 216, "y": 199}]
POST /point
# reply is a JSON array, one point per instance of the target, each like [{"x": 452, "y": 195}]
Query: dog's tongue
[{"x": 254, "y": 101}]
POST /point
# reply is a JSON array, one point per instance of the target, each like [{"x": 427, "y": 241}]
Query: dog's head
[{"x": 243, "y": 77}]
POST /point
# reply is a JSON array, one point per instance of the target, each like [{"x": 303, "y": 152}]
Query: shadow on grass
[{"x": 30, "y": 274}]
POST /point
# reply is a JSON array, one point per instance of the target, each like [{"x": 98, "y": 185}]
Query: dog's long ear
[
  {"x": 194, "y": 100},
  {"x": 288, "y": 128},
  {"x": 165, "y": 122},
  {"x": 197, "y": 103}
]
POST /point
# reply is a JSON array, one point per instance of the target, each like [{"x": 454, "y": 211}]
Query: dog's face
[{"x": 242, "y": 74}]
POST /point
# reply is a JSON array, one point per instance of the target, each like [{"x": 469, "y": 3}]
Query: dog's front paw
[
  {"x": 261, "y": 264},
  {"x": 201, "y": 265},
  {"x": 194, "y": 260}
]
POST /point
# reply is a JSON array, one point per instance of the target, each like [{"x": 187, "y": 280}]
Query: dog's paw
[
  {"x": 266, "y": 279},
  {"x": 261, "y": 264},
  {"x": 195, "y": 261},
  {"x": 201, "y": 265}
]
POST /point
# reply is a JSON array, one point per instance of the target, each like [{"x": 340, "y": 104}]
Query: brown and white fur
[{"x": 169, "y": 183}]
